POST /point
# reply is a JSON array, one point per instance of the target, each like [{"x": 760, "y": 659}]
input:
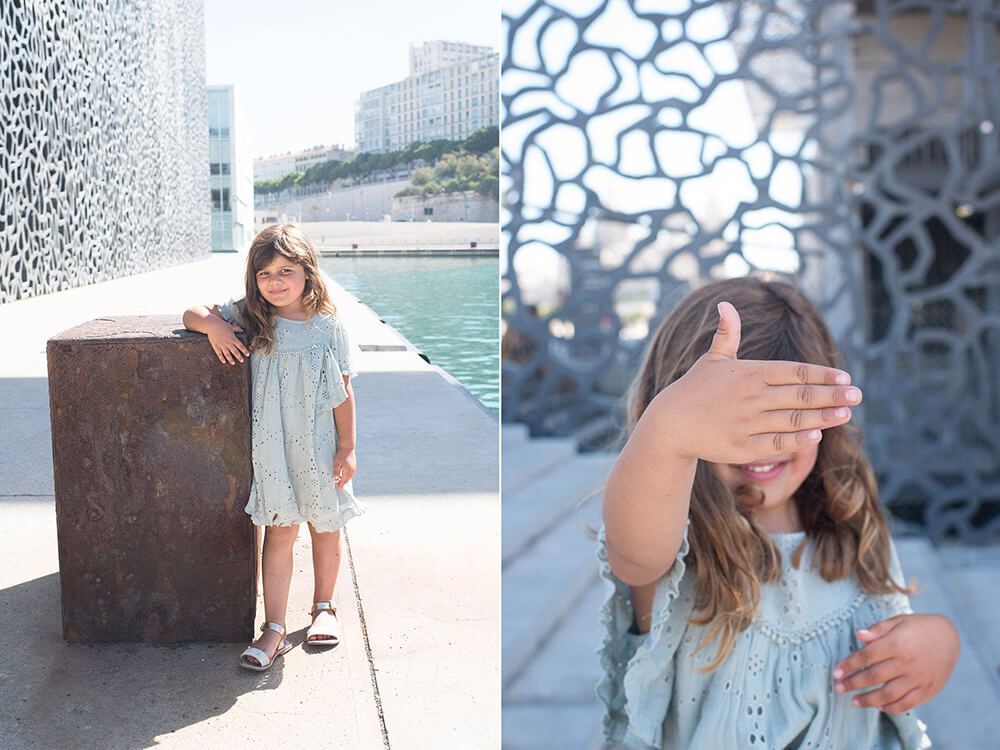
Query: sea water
[{"x": 447, "y": 307}]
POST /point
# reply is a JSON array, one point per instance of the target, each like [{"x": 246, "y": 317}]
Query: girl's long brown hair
[
  {"x": 837, "y": 502},
  {"x": 256, "y": 313}
]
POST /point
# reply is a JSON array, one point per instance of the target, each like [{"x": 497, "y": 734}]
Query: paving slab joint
[{"x": 368, "y": 647}]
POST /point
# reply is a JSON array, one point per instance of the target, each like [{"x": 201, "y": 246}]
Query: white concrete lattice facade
[{"x": 105, "y": 143}]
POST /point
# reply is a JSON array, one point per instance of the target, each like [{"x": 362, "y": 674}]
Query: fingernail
[
  {"x": 853, "y": 395},
  {"x": 840, "y": 411},
  {"x": 843, "y": 378},
  {"x": 865, "y": 632},
  {"x": 856, "y": 703},
  {"x": 839, "y": 687},
  {"x": 838, "y": 673},
  {"x": 815, "y": 434},
  {"x": 718, "y": 308}
]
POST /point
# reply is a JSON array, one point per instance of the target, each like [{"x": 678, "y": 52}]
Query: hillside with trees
[
  {"x": 455, "y": 172},
  {"x": 473, "y": 163}
]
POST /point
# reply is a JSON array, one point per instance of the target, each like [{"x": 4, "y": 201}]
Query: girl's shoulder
[
  {"x": 326, "y": 321},
  {"x": 232, "y": 309}
]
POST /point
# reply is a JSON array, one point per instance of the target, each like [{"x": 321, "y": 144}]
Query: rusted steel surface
[{"x": 151, "y": 453}]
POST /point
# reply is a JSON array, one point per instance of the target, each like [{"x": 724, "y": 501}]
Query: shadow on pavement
[{"x": 114, "y": 695}]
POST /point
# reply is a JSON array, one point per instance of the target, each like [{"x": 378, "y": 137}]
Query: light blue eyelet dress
[
  {"x": 294, "y": 435},
  {"x": 776, "y": 688}
]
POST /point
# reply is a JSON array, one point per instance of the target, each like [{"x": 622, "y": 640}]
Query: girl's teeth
[{"x": 760, "y": 469}]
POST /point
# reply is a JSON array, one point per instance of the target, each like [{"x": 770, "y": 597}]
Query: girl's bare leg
[
  {"x": 276, "y": 573},
  {"x": 326, "y": 551}
]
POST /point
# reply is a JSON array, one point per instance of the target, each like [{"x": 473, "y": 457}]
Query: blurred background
[{"x": 649, "y": 146}]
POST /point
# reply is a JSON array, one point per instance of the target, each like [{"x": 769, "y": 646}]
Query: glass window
[
  {"x": 225, "y": 167},
  {"x": 215, "y": 200},
  {"x": 213, "y": 168}
]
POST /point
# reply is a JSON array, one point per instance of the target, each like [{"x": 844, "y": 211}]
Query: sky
[{"x": 299, "y": 65}]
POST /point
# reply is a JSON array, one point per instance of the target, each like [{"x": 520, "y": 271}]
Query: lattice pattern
[
  {"x": 651, "y": 145},
  {"x": 103, "y": 166}
]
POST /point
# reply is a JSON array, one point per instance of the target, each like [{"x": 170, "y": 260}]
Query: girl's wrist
[{"x": 666, "y": 428}]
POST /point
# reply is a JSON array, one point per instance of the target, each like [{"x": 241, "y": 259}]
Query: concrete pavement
[{"x": 418, "y": 593}]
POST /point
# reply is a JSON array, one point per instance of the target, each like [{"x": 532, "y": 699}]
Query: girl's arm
[
  {"x": 221, "y": 335},
  {"x": 647, "y": 495},
  {"x": 345, "y": 462},
  {"x": 723, "y": 410},
  {"x": 911, "y": 656}
]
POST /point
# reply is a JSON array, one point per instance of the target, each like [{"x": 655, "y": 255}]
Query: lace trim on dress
[
  {"x": 630, "y": 676},
  {"x": 833, "y": 620}
]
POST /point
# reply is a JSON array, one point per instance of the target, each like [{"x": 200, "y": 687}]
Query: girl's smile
[
  {"x": 281, "y": 284},
  {"x": 762, "y": 472}
]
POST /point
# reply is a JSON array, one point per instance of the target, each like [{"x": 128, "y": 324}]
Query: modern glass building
[{"x": 230, "y": 171}]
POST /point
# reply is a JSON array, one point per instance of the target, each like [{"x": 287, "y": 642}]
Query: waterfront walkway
[
  {"x": 362, "y": 238},
  {"x": 418, "y": 593}
]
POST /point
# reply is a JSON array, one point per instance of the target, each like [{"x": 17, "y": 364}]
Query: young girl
[
  {"x": 303, "y": 423},
  {"x": 754, "y": 584}
]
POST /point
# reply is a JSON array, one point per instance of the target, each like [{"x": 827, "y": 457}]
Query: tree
[
  {"x": 468, "y": 166},
  {"x": 289, "y": 180},
  {"x": 482, "y": 140},
  {"x": 421, "y": 176},
  {"x": 447, "y": 167},
  {"x": 490, "y": 187}
]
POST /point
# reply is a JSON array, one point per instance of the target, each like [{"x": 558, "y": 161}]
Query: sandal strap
[
  {"x": 323, "y": 607},
  {"x": 279, "y": 629},
  {"x": 262, "y": 659}
]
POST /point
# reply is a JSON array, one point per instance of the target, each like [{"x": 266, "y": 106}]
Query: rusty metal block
[{"x": 151, "y": 453}]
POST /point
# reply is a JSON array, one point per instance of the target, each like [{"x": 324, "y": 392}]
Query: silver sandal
[
  {"x": 265, "y": 661},
  {"x": 327, "y": 628}
]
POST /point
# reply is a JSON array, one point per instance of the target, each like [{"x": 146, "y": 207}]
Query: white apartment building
[
  {"x": 273, "y": 167},
  {"x": 433, "y": 55},
  {"x": 448, "y": 102}
]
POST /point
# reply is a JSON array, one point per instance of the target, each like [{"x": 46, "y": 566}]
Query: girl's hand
[
  {"x": 910, "y": 656},
  {"x": 222, "y": 337},
  {"x": 733, "y": 411},
  {"x": 344, "y": 465}
]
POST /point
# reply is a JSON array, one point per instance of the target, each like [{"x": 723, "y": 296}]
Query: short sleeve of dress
[
  {"x": 342, "y": 349},
  {"x": 897, "y": 603},
  {"x": 230, "y": 312},
  {"x": 638, "y": 676}
]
